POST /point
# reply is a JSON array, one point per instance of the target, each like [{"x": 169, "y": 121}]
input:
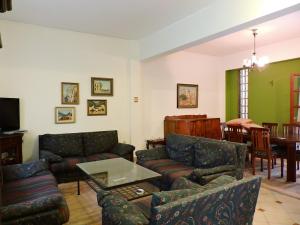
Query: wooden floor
[{"x": 84, "y": 209}]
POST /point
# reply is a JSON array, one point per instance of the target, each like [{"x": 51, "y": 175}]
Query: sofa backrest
[
  {"x": 79, "y": 144},
  {"x": 205, "y": 152},
  {"x": 99, "y": 142},
  {"x": 64, "y": 145},
  {"x": 232, "y": 204}
]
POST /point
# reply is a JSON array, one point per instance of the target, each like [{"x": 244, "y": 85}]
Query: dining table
[{"x": 291, "y": 143}]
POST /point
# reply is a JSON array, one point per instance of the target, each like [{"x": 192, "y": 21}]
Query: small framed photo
[
  {"x": 102, "y": 86},
  {"x": 187, "y": 96},
  {"x": 96, "y": 107},
  {"x": 70, "y": 93},
  {"x": 64, "y": 115}
]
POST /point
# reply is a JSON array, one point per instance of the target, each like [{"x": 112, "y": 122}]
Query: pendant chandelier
[
  {"x": 5, "y": 5},
  {"x": 254, "y": 61}
]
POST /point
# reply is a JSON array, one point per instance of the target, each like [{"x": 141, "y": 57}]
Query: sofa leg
[{"x": 78, "y": 187}]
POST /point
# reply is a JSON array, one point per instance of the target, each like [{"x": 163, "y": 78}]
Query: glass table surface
[{"x": 116, "y": 172}]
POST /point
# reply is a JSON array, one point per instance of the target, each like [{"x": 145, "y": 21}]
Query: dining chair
[
  {"x": 261, "y": 148},
  {"x": 273, "y": 127},
  {"x": 292, "y": 129},
  {"x": 234, "y": 133}
]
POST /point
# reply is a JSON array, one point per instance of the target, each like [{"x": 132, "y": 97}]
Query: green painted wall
[
  {"x": 269, "y": 92},
  {"x": 232, "y": 94}
]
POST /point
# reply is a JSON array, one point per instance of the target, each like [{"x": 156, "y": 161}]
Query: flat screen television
[{"x": 9, "y": 114}]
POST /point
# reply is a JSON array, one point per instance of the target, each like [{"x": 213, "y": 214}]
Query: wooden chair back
[
  {"x": 234, "y": 133},
  {"x": 291, "y": 129},
  {"x": 273, "y": 127},
  {"x": 260, "y": 138}
]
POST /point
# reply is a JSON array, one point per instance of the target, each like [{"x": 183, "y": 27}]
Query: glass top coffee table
[{"x": 119, "y": 175}]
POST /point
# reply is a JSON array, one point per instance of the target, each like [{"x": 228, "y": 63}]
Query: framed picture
[
  {"x": 96, "y": 107},
  {"x": 187, "y": 96},
  {"x": 64, "y": 115},
  {"x": 70, "y": 93},
  {"x": 102, "y": 86}
]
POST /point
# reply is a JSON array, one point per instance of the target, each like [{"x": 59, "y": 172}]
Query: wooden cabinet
[
  {"x": 201, "y": 126},
  {"x": 11, "y": 148}
]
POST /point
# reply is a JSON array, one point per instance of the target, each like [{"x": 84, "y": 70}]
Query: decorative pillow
[
  {"x": 220, "y": 181},
  {"x": 99, "y": 142},
  {"x": 163, "y": 197},
  {"x": 63, "y": 145},
  {"x": 50, "y": 157},
  {"x": 181, "y": 148},
  {"x": 212, "y": 154}
]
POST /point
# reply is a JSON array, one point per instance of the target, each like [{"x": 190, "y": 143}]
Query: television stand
[{"x": 11, "y": 148}]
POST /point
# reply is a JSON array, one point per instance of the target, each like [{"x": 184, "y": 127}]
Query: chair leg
[
  {"x": 261, "y": 165},
  {"x": 282, "y": 166},
  {"x": 253, "y": 163},
  {"x": 269, "y": 168},
  {"x": 297, "y": 165},
  {"x": 273, "y": 159}
]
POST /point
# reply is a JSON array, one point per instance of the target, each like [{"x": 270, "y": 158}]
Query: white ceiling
[
  {"x": 128, "y": 19},
  {"x": 280, "y": 29}
]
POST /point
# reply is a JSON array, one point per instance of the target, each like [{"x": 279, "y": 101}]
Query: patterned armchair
[
  {"x": 222, "y": 201},
  {"x": 200, "y": 158},
  {"x": 30, "y": 196}
]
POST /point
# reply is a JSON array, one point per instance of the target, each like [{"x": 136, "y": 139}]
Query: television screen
[{"x": 9, "y": 114}]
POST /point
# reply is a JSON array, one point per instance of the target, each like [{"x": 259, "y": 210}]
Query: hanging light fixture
[{"x": 254, "y": 61}]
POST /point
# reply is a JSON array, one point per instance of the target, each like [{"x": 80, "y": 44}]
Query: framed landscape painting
[
  {"x": 70, "y": 93},
  {"x": 187, "y": 96},
  {"x": 96, "y": 107},
  {"x": 64, "y": 115},
  {"x": 102, "y": 86}
]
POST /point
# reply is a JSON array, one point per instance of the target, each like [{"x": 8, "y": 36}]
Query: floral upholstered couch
[
  {"x": 64, "y": 151},
  {"x": 223, "y": 200},
  {"x": 30, "y": 196},
  {"x": 199, "y": 158}
]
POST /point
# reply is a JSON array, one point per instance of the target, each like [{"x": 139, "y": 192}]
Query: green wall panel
[{"x": 269, "y": 92}]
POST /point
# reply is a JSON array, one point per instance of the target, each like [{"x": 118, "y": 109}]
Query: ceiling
[
  {"x": 127, "y": 19},
  {"x": 280, "y": 29}
]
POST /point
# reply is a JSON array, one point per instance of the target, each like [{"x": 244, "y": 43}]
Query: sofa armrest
[
  {"x": 39, "y": 205},
  {"x": 49, "y": 156},
  {"x": 20, "y": 171},
  {"x": 203, "y": 176},
  {"x": 123, "y": 149},
  {"x": 241, "y": 151},
  {"x": 152, "y": 154},
  {"x": 117, "y": 210}
]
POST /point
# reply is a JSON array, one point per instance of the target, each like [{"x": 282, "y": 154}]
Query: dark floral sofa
[
  {"x": 30, "y": 196},
  {"x": 223, "y": 200},
  {"x": 64, "y": 151},
  {"x": 200, "y": 158}
]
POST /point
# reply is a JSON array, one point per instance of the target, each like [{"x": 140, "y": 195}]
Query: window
[{"x": 243, "y": 94}]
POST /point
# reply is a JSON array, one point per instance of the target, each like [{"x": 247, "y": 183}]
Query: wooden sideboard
[
  {"x": 11, "y": 148},
  {"x": 193, "y": 125}
]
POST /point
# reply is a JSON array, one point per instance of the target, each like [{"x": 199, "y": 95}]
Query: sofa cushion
[
  {"x": 28, "y": 189},
  {"x": 99, "y": 142},
  {"x": 63, "y": 145},
  {"x": 212, "y": 154},
  {"x": 183, "y": 183},
  {"x": 180, "y": 148},
  {"x": 101, "y": 156},
  {"x": 169, "y": 169},
  {"x": 68, "y": 164},
  {"x": 50, "y": 156},
  {"x": 163, "y": 197}
]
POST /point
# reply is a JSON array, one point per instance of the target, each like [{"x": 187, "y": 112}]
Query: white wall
[
  {"x": 35, "y": 60},
  {"x": 288, "y": 49},
  {"x": 160, "y": 78}
]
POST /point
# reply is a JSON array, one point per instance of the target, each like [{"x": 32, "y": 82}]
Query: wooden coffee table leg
[{"x": 78, "y": 187}]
